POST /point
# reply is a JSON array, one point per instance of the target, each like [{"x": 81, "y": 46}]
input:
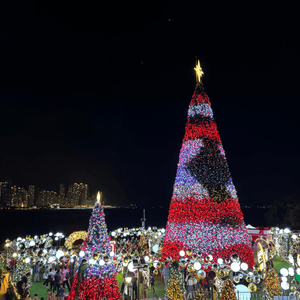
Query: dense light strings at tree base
[
  {"x": 95, "y": 288},
  {"x": 204, "y": 214}
]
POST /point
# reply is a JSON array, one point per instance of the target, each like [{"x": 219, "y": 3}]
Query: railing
[{"x": 248, "y": 296}]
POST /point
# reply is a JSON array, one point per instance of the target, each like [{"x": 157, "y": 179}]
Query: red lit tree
[
  {"x": 96, "y": 275},
  {"x": 204, "y": 214}
]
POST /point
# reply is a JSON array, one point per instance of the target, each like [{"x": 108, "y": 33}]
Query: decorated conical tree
[
  {"x": 228, "y": 291},
  {"x": 200, "y": 294},
  {"x": 271, "y": 284},
  {"x": 96, "y": 275},
  {"x": 204, "y": 214},
  {"x": 174, "y": 289}
]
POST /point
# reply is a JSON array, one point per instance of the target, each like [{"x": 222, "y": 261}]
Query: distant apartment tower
[
  {"x": 46, "y": 198},
  {"x": 18, "y": 196},
  {"x": 62, "y": 191},
  {"x": 5, "y": 193},
  {"x": 31, "y": 194},
  {"x": 77, "y": 194}
]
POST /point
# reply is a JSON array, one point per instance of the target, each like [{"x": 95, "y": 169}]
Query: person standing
[
  {"x": 60, "y": 293},
  {"x": 36, "y": 272},
  {"x": 51, "y": 278},
  {"x": 134, "y": 286},
  {"x": 190, "y": 286},
  {"x": 152, "y": 284},
  {"x": 126, "y": 290},
  {"x": 46, "y": 277},
  {"x": 65, "y": 277},
  {"x": 144, "y": 287},
  {"x": 166, "y": 273},
  {"x": 57, "y": 280}
]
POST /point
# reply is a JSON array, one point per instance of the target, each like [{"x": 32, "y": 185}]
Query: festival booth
[{"x": 256, "y": 232}]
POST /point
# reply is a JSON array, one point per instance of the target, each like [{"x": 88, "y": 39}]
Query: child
[
  {"x": 49, "y": 295},
  {"x": 152, "y": 284},
  {"x": 61, "y": 291},
  {"x": 35, "y": 297}
]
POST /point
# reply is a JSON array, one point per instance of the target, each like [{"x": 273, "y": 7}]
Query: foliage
[
  {"x": 228, "y": 292},
  {"x": 174, "y": 289},
  {"x": 271, "y": 284}
]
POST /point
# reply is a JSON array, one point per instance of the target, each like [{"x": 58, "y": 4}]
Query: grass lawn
[
  {"x": 37, "y": 288},
  {"x": 278, "y": 264},
  {"x": 159, "y": 286}
]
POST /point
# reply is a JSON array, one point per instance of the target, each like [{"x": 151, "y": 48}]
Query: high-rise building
[
  {"x": 31, "y": 195},
  {"x": 62, "y": 191},
  {"x": 18, "y": 196},
  {"x": 46, "y": 198},
  {"x": 5, "y": 194},
  {"x": 77, "y": 194}
]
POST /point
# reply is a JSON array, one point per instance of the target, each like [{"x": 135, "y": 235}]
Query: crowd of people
[{"x": 56, "y": 279}]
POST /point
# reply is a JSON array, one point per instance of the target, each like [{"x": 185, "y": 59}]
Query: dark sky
[{"x": 99, "y": 93}]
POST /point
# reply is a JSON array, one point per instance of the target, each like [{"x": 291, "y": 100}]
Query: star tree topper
[
  {"x": 98, "y": 198},
  {"x": 199, "y": 71}
]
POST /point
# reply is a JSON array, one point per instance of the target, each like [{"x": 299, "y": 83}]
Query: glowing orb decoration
[
  {"x": 235, "y": 266},
  {"x": 284, "y": 272},
  {"x": 291, "y": 271},
  {"x": 244, "y": 266},
  {"x": 285, "y": 285},
  {"x": 59, "y": 254},
  {"x": 101, "y": 262},
  {"x": 220, "y": 261},
  {"x": 197, "y": 266}
]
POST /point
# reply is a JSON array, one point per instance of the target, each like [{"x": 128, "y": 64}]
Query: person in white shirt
[{"x": 191, "y": 280}]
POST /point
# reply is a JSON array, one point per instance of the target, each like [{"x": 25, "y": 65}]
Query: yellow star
[
  {"x": 199, "y": 71},
  {"x": 98, "y": 198}
]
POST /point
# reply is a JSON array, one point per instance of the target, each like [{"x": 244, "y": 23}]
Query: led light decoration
[
  {"x": 75, "y": 236},
  {"x": 205, "y": 214},
  {"x": 272, "y": 283},
  {"x": 95, "y": 278}
]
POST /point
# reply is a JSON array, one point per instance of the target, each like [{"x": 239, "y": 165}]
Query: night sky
[{"x": 99, "y": 93}]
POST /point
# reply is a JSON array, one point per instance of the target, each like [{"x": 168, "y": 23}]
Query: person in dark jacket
[{"x": 57, "y": 279}]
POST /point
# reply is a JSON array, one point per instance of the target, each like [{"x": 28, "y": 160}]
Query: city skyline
[{"x": 77, "y": 194}]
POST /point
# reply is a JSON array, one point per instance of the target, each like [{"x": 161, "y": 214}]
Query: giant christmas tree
[
  {"x": 96, "y": 274},
  {"x": 204, "y": 214}
]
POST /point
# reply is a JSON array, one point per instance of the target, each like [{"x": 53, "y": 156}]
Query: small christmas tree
[
  {"x": 200, "y": 294},
  {"x": 174, "y": 289},
  {"x": 96, "y": 276},
  {"x": 228, "y": 292},
  {"x": 271, "y": 284}
]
